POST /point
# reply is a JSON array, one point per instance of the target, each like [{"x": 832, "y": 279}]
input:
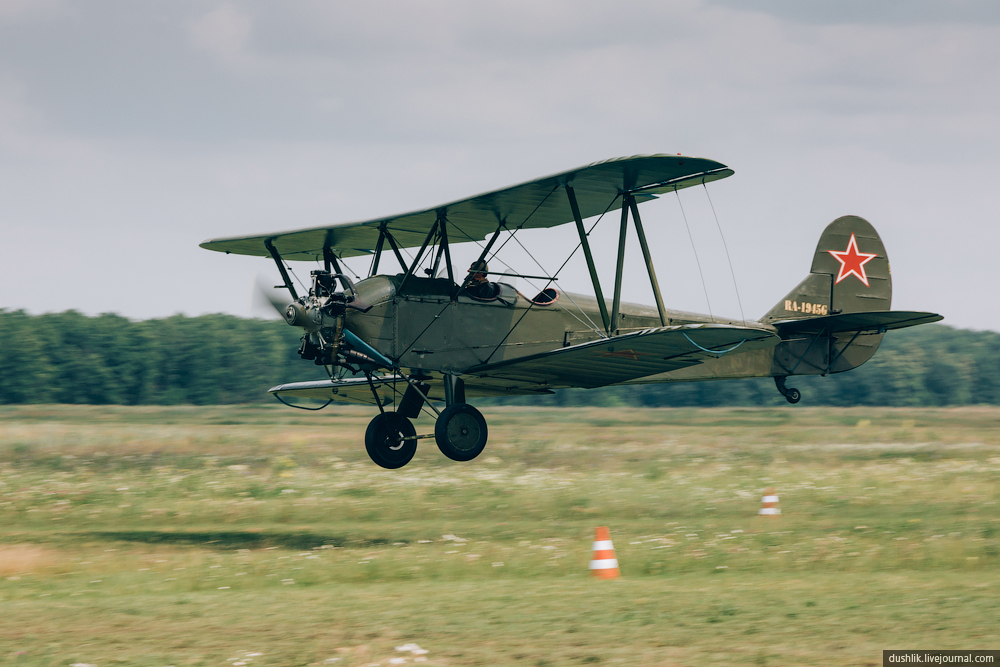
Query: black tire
[
  {"x": 384, "y": 440},
  {"x": 793, "y": 396},
  {"x": 461, "y": 432}
]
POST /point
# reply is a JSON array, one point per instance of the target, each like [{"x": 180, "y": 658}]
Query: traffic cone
[
  {"x": 769, "y": 503},
  {"x": 603, "y": 564}
]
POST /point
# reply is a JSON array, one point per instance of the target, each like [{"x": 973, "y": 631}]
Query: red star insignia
[
  {"x": 852, "y": 262},
  {"x": 624, "y": 354}
]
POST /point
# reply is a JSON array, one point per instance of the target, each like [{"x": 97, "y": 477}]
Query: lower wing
[{"x": 626, "y": 357}]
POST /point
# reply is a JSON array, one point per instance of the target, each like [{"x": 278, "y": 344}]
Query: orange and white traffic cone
[
  {"x": 603, "y": 564},
  {"x": 769, "y": 503}
]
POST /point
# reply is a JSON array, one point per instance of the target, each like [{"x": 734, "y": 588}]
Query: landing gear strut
[{"x": 791, "y": 394}]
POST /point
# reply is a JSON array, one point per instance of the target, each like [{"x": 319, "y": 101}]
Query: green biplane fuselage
[{"x": 435, "y": 327}]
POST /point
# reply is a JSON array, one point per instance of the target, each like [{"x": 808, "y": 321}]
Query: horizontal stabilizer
[{"x": 874, "y": 321}]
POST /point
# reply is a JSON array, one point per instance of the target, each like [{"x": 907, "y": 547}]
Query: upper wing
[
  {"x": 535, "y": 204},
  {"x": 883, "y": 320},
  {"x": 625, "y": 357}
]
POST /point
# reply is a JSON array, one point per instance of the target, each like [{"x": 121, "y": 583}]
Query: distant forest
[{"x": 217, "y": 359}]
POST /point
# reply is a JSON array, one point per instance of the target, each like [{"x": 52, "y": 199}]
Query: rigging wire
[
  {"x": 589, "y": 325},
  {"x": 525, "y": 221},
  {"x": 429, "y": 325},
  {"x": 570, "y": 296},
  {"x": 726, "y": 246},
  {"x": 555, "y": 275},
  {"x": 704, "y": 287},
  {"x": 288, "y": 267},
  {"x": 344, "y": 264},
  {"x": 498, "y": 259},
  {"x": 592, "y": 325},
  {"x": 580, "y": 244}
]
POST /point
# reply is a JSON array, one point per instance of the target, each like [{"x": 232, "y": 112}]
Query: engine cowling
[{"x": 321, "y": 314}]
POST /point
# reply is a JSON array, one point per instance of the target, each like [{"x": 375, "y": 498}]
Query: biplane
[{"x": 426, "y": 338}]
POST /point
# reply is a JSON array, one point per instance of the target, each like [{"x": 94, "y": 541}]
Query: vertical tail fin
[
  {"x": 849, "y": 274},
  {"x": 834, "y": 320}
]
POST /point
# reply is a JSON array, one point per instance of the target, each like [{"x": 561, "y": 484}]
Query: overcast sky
[{"x": 132, "y": 131}]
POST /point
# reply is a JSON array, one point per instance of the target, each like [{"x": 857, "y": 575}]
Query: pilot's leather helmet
[{"x": 479, "y": 266}]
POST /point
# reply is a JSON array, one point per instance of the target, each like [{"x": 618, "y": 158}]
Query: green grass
[{"x": 202, "y": 536}]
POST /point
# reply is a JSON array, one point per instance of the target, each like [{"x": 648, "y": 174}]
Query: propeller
[{"x": 266, "y": 298}]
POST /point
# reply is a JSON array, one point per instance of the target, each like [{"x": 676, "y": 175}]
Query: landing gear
[
  {"x": 460, "y": 429},
  {"x": 391, "y": 440},
  {"x": 791, "y": 394},
  {"x": 460, "y": 432}
]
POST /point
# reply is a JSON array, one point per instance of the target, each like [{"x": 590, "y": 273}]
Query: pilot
[{"x": 477, "y": 284}]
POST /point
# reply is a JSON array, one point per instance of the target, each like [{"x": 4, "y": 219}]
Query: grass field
[{"x": 249, "y": 535}]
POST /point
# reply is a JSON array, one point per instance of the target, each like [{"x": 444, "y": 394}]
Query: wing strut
[
  {"x": 378, "y": 252},
  {"x": 330, "y": 262},
  {"x": 281, "y": 269},
  {"x": 649, "y": 260},
  {"x": 590, "y": 259},
  {"x": 619, "y": 269},
  {"x": 420, "y": 255},
  {"x": 443, "y": 249},
  {"x": 493, "y": 239},
  {"x": 395, "y": 248},
  {"x": 447, "y": 250}
]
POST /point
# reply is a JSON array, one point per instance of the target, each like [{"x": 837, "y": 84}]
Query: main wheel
[
  {"x": 460, "y": 432},
  {"x": 793, "y": 396},
  {"x": 385, "y": 442}
]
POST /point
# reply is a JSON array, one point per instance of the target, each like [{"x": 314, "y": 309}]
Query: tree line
[
  {"x": 219, "y": 359},
  {"x": 212, "y": 359}
]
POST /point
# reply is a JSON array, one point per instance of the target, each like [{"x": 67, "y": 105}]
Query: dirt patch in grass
[{"x": 18, "y": 560}]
